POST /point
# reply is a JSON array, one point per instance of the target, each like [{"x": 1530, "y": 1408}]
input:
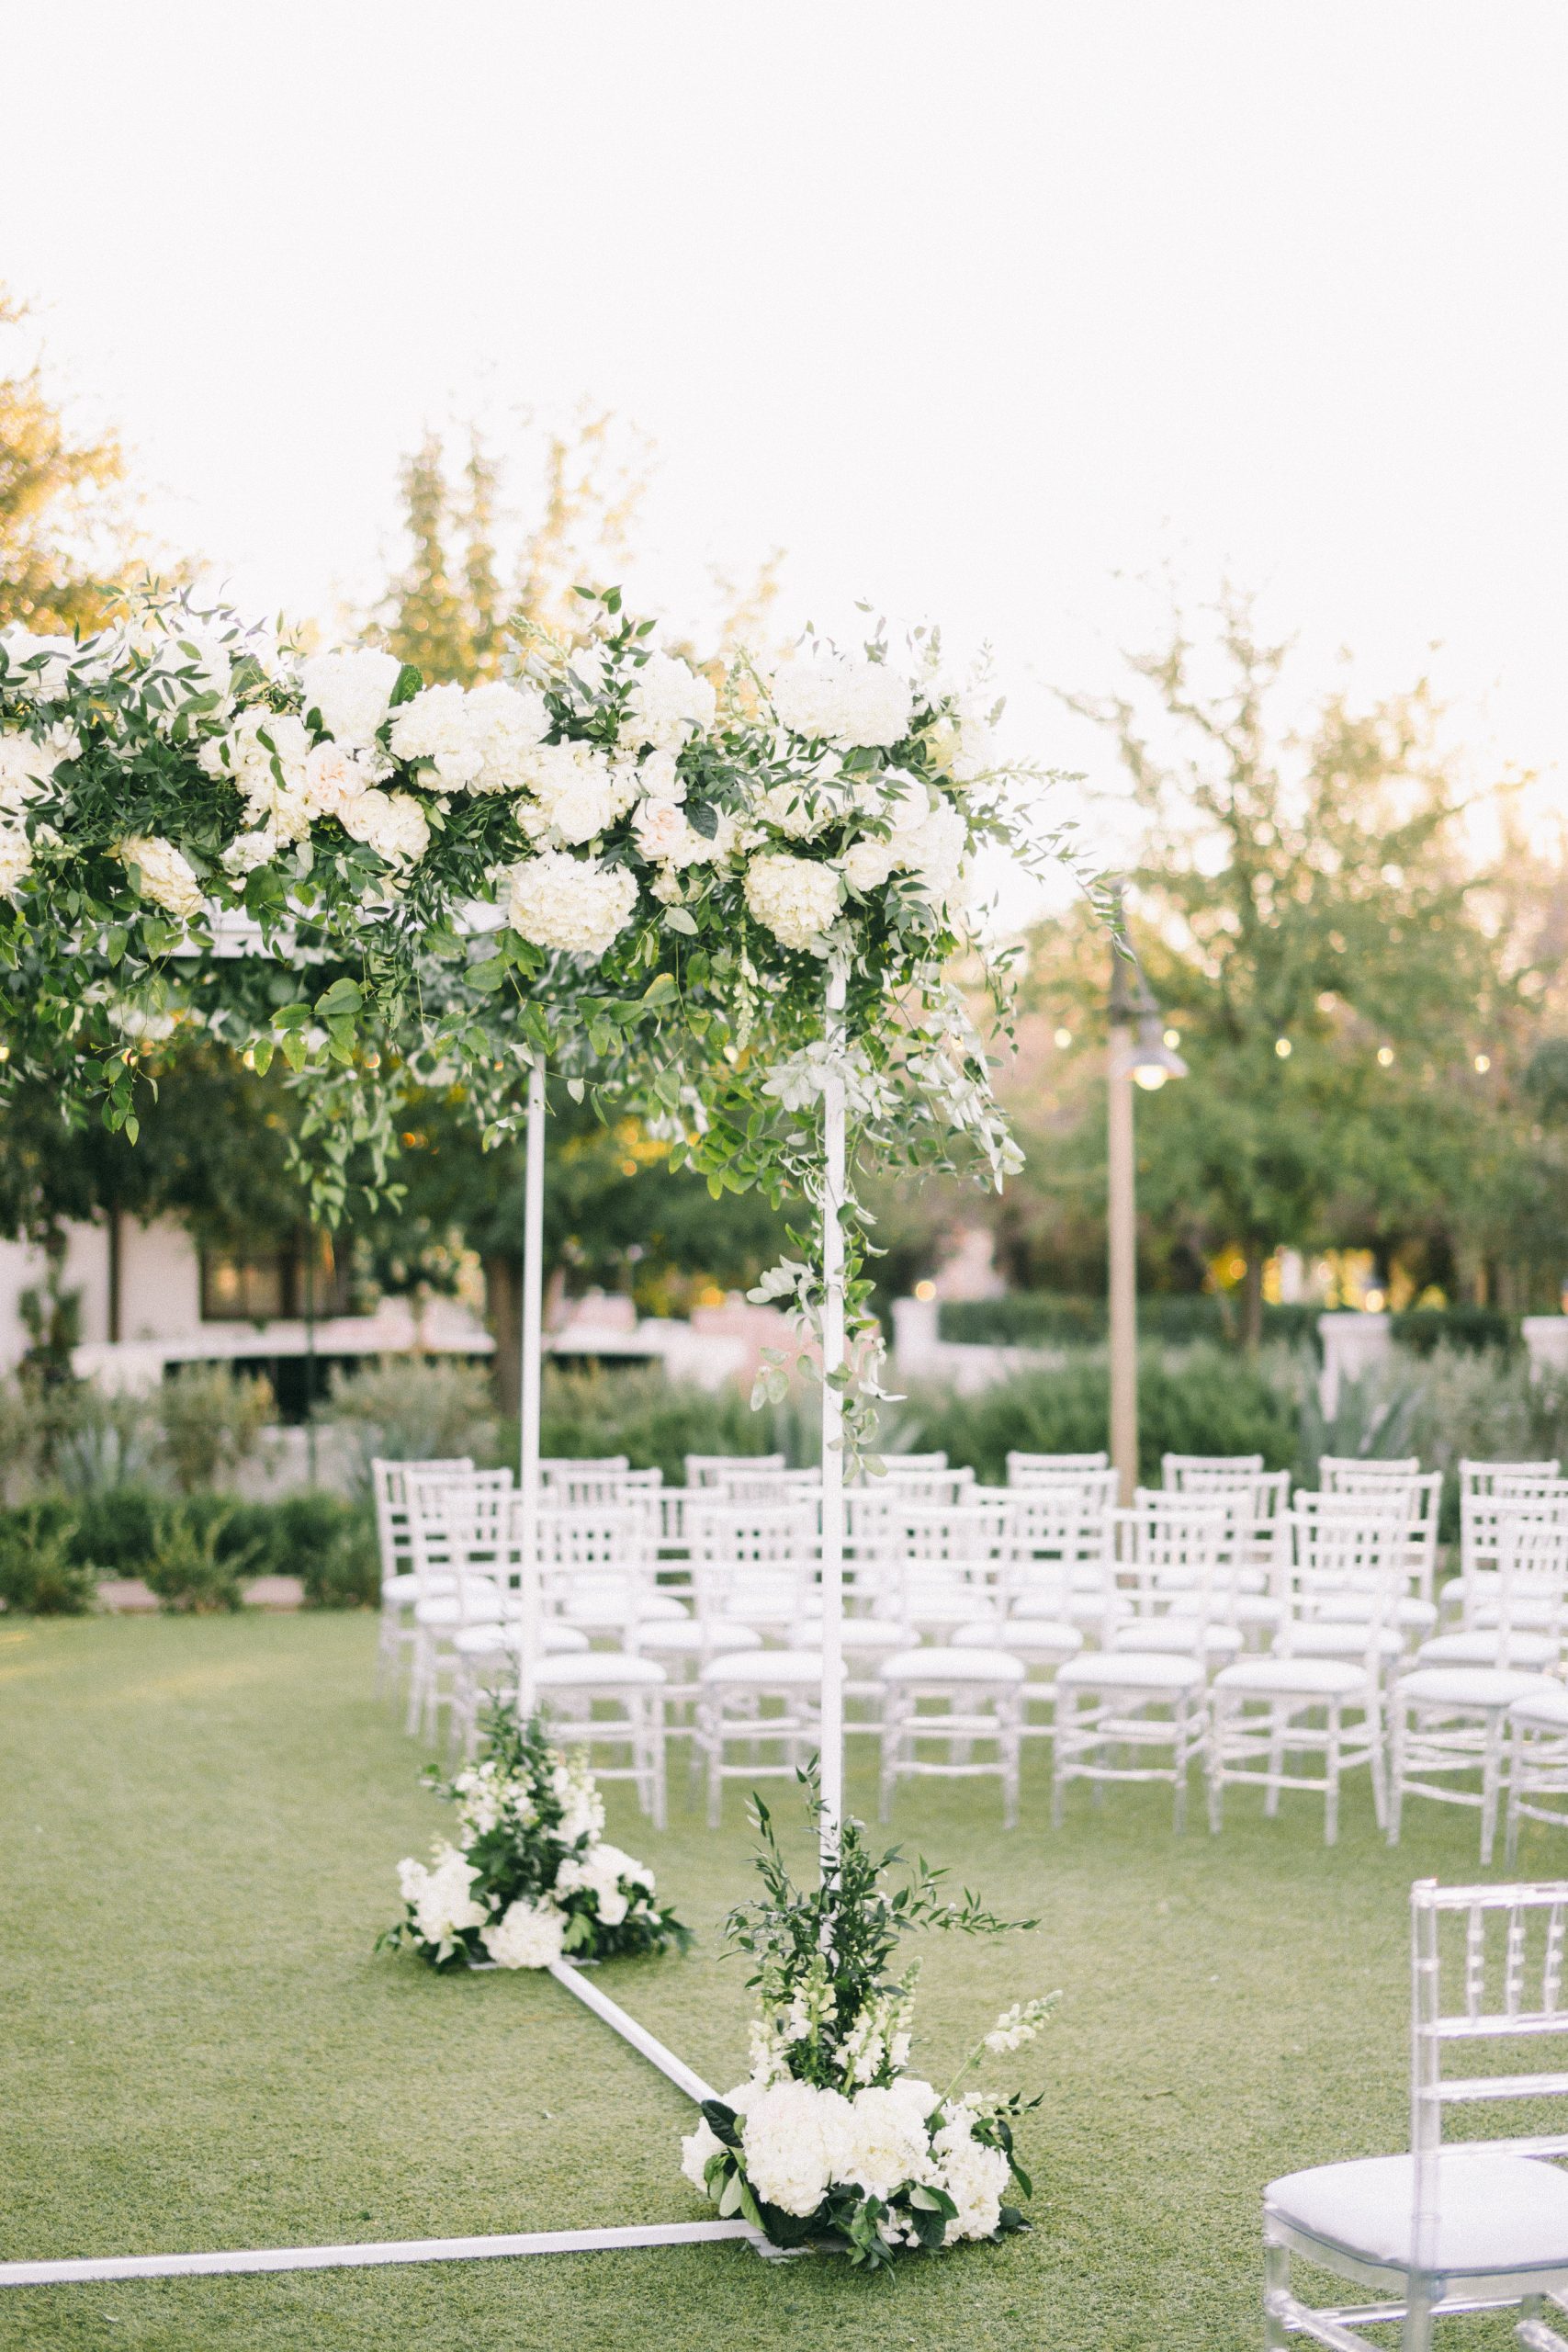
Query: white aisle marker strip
[{"x": 398, "y": 2250}]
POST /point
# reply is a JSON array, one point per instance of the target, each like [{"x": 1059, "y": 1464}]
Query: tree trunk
[
  {"x": 1252, "y": 1299},
  {"x": 504, "y": 1313}
]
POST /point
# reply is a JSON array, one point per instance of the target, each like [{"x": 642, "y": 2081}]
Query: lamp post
[{"x": 1138, "y": 1054}]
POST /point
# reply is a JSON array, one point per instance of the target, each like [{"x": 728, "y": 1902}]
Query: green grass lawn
[{"x": 199, "y": 2049}]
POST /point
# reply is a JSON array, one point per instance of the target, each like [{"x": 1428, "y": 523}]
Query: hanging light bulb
[
  {"x": 1283, "y": 1047},
  {"x": 1385, "y": 1056},
  {"x": 1483, "y": 1063}
]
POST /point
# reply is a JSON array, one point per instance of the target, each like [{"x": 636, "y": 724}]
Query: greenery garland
[{"x": 641, "y": 872}]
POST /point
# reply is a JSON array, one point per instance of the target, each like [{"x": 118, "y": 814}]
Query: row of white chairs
[{"x": 984, "y": 1607}]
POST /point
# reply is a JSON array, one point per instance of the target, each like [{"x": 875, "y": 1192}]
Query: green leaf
[
  {"x": 295, "y": 1050},
  {"x": 261, "y": 1054},
  {"x": 677, "y": 919},
  {"x": 410, "y": 680},
  {"x": 490, "y": 975},
  {"x": 662, "y": 990}
]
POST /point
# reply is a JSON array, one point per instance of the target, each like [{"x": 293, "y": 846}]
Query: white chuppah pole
[
  {"x": 832, "y": 1737},
  {"x": 532, "y": 1351}
]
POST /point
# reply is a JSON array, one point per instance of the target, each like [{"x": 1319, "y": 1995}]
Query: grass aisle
[{"x": 202, "y": 1819}]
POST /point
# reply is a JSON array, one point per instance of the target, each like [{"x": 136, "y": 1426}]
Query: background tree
[{"x": 66, "y": 540}]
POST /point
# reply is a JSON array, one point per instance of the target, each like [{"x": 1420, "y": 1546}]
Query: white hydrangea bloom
[
  {"x": 526, "y": 1935},
  {"x": 578, "y": 789},
  {"x": 933, "y": 850},
  {"x": 798, "y": 2142},
  {"x": 888, "y": 2141},
  {"x": 975, "y": 2177},
  {"x": 668, "y": 704},
  {"x": 866, "y": 864},
  {"x": 16, "y": 859},
  {"x": 572, "y": 903},
  {"x": 799, "y": 808},
  {"x": 27, "y": 762},
  {"x": 266, "y": 752},
  {"x": 166, "y": 878},
  {"x": 352, "y": 691},
  {"x": 478, "y": 739},
  {"x": 247, "y": 851},
  {"x": 600, "y": 1871},
  {"x": 841, "y": 698},
  {"x": 962, "y": 743},
  {"x": 441, "y": 1898},
  {"x": 52, "y": 677},
  {"x": 392, "y": 823},
  {"x": 190, "y": 661},
  {"x": 795, "y": 897},
  {"x": 696, "y": 2149}
]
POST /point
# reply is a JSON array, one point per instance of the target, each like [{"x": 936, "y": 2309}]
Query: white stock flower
[
  {"x": 795, "y": 897},
  {"x": 577, "y": 1793},
  {"x": 165, "y": 876},
  {"x": 53, "y": 676},
  {"x": 391, "y": 823},
  {"x": 578, "y": 789},
  {"x": 797, "y": 2140},
  {"x": 1020, "y": 2024},
  {"x": 840, "y": 698},
  {"x": 572, "y": 903},
  {"x": 352, "y": 691},
  {"x": 441, "y": 1898},
  {"x": 16, "y": 859},
  {"x": 477, "y": 739},
  {"x": 526, "y": 1935},
  {"x": 974, "y": 2175},
  {"x": 668, "y": 703}
]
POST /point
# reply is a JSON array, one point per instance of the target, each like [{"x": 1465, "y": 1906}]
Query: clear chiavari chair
[
  {"x": 712, "y": 1469},
  {"x": 753, "y": 1563},
  {"x": 1041, "y": 1469},
  {"x": 1482, "y": 1512},
  {"x": 1453, "y": 2226},
  {"x": 942, "y": 1565},
  {"x": 458, "y": 1531}
]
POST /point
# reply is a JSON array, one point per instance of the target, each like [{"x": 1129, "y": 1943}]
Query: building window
[{"x": 270, "y": 1285}]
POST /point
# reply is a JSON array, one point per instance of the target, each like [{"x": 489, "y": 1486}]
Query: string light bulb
[
  {"x": 1483, "y": 1063},
  {"x": 1173, "y": 1038},
  {"x": 1063, "y": 1039},
  {"x": 1283, "y": 1047},
  {"x": 1385, "y": 1056}
]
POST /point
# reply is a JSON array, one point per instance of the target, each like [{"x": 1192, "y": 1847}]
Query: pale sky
[{"x": 976, "y": 310}]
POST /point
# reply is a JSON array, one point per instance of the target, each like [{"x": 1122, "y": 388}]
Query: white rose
[
  {"x": 334, "y": 780},
  {"x": 660, "y": 778},
  {"x": 664, "y": 833},
  {"x": 27, "y": 762},
  {"x": 165, "y": 876},
  {"x": 866, "y": 864},
  {"x": 353, "y": 692},
  {"x": 392, "y": 823},
  {"x": 574, "y": 904},
  {"x": 667, "y": 704},
  {"x": 526, "y": 1936},
  {"x": 839, "y": 699},
  {"x": 441, "y": 1898},
  {"x": 795, "y": 897}
]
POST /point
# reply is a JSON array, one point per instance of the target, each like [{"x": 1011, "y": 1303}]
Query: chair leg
[
  {"x": 1331, "y": 1777},
  {"x": 1062, "y": 1747},
  {"x": 1214, "y": 1763},
  {"x": 1276, "y": 1761},
  {"x": 892, "y": 1732},
  {"x": 1012, "y": 1742},
  {"x": 1377, "y": 1745},
  {"x": 715, "y": 1767},
  {"x": 1415, "y": 2336},
  {"x": 1178, "y": 1775},
  {"x": 659, "y": 1807},
  {"x": 1491, "y": 1785},
  {"x": 1515, "y": 1776},
  {"x": 1398, "y": 1713},
  {"x": 1276, "y": 2281}
]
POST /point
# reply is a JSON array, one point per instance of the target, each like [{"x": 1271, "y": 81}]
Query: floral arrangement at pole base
[
  {"x": 531, "y": 1877},
  {"x": 831, "y": 2141}
]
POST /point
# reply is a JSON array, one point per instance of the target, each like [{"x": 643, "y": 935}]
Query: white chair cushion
[
  {"x": 860, "y": 1637},
  {"x": 692, "y": 1637},
  {"x": 615, "y": 1609},
  {"x": 1036, "y": 1638},
  {"x": 1543, "y": 1709},
  {"x": 495, "y": 1640},
  {"x": 1529, "y": 1609},
  {"x": 482, "y": 1604},
  {"x": 1466, "y": 1685},
  {"x": 1176, "y": 1633},
  {"x": 402, "y": 1591},
  {"x": 1324, "y": 1638},
  {"x": 766, "y": 1670},
  {"x": 1530, "y": 1652},
  {"x": 1131, "y": 1671},
  {"x": 1292, "y": 1677},
  {"x": 943, "y": 1667},
  {"x": 1494, "y": 2213},
  {"x": 598, "y": 1671}
]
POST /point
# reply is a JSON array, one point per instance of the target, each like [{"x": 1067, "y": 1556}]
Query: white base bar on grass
[
  {"x": 647, "y": 2044},
  {"x": 369, "y": 2256}
]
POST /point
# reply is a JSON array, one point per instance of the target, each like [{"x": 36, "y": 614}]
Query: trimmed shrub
[
  {"x": 1043, "y": 1319},
  {"x": 210, "y": 1420},
  {"x": 39, "y": 1571},
  {"x": 188, "y": 1571}
]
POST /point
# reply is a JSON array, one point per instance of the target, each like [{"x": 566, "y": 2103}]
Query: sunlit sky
[{"x": 979, "y": 311}]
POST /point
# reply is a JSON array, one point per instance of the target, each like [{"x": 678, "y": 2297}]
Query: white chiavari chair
[
  {"x": 733, "y": 1690},
  {"x": 942, "y": 1565},
  {"x": 752, "y": 1563},
  {"x": 1538, "y": 1761},
  {"x": 1458, "y": 2226},
  {"x": 1534, "y": 1536},
  {"x": 1483, "y": 1513},
  {"x": 910, "y": 1484},
  {"x": 712, "y": 1469},
  {"x": 976, "y": 1692},
  {"x": 598, "y": 1570},
  {"x": 458, "y": 1534},
  {"x": 487, "y": 1657},
  {"x": 1192, "y": 1473},
  {"x": 555, "y": 1467},
  {"x": 1321, "y": 1693},
  {"x": 400, "y": 1587},
  {"x": 1033, "y": 1469},
  {"x": 1450, "y": 1722},
  {"x": 902, "y": 1464},
  {"x": 1182, "y": 1568},
  {"x": 1409, "y": 1504},
  {"x": 1053, "y": 1544}
]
